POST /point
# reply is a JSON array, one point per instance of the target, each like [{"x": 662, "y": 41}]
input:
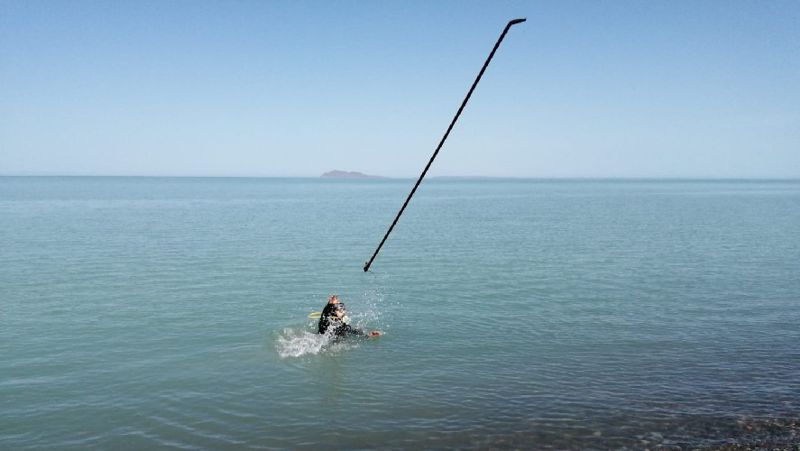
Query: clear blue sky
[{"x": 586, "y": 89}]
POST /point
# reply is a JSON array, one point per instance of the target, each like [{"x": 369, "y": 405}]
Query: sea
[{"x": 173, "y": 313}]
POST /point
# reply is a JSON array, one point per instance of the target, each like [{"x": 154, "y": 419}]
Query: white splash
[{"x": 296, "y": 343}]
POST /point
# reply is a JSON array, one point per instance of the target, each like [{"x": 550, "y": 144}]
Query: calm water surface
[{"x": 141, "y": 313}]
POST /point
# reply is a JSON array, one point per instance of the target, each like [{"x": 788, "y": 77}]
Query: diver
[{"x": 334, "y": 320}]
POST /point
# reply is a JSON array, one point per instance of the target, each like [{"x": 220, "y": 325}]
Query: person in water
[{"x": 334, "y": 321}]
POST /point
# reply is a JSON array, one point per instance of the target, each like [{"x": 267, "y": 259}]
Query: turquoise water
[{"x": 141, "y": 313}]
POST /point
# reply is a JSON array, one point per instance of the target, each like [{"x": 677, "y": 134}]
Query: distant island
[{"x": 336, "y": 174}]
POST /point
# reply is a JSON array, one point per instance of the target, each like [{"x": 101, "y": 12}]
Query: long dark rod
[{"x": 444, "y": 138}]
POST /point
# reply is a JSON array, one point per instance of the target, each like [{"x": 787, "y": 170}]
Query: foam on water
[{"x": 300, "y": 342}]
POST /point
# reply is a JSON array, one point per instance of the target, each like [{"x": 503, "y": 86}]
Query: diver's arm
[
  {"x": 348, "y": 330},
  {"x": 361, "y": 333}
]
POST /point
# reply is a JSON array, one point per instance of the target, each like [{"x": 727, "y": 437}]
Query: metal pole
[{"x": 444, "y": 138}]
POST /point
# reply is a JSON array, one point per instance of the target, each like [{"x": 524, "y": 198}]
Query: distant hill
[{"x": 336, "y": 174}]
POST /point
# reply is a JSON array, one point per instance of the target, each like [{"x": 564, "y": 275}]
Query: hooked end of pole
[
  {"x": 516, "y": 21},
  {"x": 366, "y": 267}
]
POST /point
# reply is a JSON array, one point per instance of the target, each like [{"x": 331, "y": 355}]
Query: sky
[{"x": 271, "y": 88}]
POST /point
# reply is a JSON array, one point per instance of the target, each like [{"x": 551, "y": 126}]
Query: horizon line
[{"x": 378, "y": 178}]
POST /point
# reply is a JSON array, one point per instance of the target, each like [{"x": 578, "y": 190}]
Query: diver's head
[
  {"x": 339, "y": 310},
  {"x": 333, "y": 299}
]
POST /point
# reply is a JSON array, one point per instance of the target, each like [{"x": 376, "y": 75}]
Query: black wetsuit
[{"x": 327, "y": 321}]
